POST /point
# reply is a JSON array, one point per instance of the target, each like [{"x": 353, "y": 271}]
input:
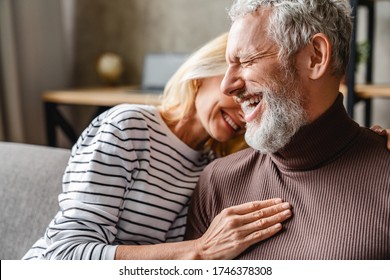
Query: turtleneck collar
[{"x": 320, "y": 141}]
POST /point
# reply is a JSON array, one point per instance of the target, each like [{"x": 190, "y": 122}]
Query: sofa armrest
[{"x": 30, "y": 181}]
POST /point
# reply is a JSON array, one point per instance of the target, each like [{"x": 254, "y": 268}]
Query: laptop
[{"x": 158, "y": 68}]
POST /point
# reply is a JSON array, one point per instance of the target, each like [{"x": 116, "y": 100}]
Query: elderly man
[{"x": 285, "y": 62}]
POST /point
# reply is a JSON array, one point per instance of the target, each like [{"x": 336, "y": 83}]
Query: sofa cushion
[{"x": 30, "y": 181}]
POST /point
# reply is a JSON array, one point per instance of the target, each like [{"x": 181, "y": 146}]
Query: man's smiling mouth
[{"x": 250, "y": 105}]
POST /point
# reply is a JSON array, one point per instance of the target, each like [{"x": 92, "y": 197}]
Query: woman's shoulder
[
  {"x": 124, "y": 117},
  {"x": 130, "y": 115},
  {"x": 120, "y": 124},
  {"x": 136, "y": 111}
]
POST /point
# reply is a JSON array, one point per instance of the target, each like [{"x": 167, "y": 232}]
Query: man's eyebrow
[
  {"x": 251, "y": 56},
  {"x": 232, "y": 57},
  {"x": 258, "y": 54},
  {"x": 241, "y": 55}
]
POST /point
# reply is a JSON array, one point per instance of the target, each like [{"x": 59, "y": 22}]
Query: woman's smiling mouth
[{"x": 231, "y": 122}]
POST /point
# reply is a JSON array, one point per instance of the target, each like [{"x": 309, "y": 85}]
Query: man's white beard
[{"x": 283, "y": 117}]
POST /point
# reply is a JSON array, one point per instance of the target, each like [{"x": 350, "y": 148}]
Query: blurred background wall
[
  {"x": 133, "y": 28},
  {"x": 381, "y": 71},
  {"x": 54, "y": 44}
]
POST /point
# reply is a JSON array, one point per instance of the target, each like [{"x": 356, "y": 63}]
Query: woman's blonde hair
[{"x": 178, "y": 99}]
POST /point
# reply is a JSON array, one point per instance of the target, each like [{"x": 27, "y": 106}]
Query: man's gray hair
[{"x": 294, "y": 22}]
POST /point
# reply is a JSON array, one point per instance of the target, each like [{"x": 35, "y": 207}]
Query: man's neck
[
  {"x": 319, "y": 101},
  {"x": 318, "y": 141}
]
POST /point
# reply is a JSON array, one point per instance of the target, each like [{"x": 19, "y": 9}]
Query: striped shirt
[{"x": 128, "y": 181}]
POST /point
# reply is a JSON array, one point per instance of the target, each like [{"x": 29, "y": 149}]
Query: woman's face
[{"x": 219, "y": 115}]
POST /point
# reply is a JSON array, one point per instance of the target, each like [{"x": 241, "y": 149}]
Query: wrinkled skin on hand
[{"x": 238, "y": 227}]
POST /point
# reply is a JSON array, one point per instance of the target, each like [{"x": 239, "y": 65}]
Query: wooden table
[
  {"x": 366, "y": 91},
  {"x": 103, "y": 98}
]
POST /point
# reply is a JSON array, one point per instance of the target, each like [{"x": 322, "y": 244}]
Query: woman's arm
[
  {"x": 231, "y": 232},
  {"x": 94, "y": 186}
]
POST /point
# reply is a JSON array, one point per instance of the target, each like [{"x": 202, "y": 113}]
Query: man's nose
[{"x": 232, "y": 83}]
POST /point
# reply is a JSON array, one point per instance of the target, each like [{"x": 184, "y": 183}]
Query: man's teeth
[
  {"x": 248, "y": 107},
  {"x": 252, "y": 100},
  {"x": 229, "y": 120}
]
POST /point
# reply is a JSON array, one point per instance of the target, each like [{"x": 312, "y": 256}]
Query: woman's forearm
[
  {"x": 230, "y": 233},
  {"x": 185, "y": 250}
]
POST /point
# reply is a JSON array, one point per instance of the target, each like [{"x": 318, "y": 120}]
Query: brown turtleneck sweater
[{"x": 335, "y": 174}]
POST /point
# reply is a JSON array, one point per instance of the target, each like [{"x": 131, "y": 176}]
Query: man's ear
[{"x": 320, "y": 53}]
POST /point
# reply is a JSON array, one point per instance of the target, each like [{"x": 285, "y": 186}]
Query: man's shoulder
[
  {"x": 369, "y": 154},
  {"x": 372, "y": 144}
]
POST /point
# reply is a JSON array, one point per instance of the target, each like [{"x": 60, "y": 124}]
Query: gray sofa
[{"x": 30, "y": 181}]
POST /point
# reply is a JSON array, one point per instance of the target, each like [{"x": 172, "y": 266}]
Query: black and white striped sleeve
[{"x": 94, "y": 186}]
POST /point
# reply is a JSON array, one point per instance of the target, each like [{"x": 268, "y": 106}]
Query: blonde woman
[{"x": 133, "y": 170}]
